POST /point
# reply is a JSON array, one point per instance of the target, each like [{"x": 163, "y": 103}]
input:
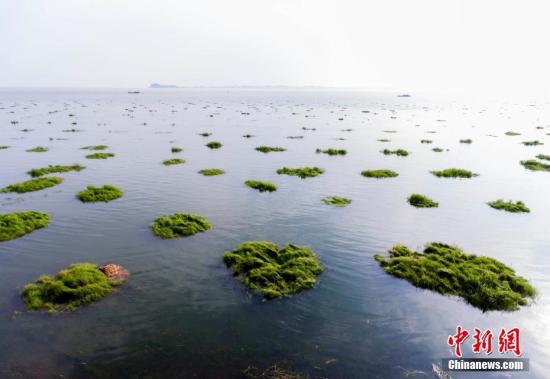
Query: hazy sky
[{"x": 460, "y": 45}]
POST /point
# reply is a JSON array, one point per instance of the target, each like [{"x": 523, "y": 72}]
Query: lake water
[{"x": 182, "y": 314}]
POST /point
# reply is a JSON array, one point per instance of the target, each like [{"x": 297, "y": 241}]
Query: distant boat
[{"x": 404, "y": 95}]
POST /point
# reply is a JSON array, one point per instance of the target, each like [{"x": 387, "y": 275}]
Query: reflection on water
[{"x": 181, "y": 314}]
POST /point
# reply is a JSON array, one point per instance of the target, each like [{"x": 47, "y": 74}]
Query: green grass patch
[
  {"x": 261, "y": 185},
  {"x": 248, "y": 136},
  {"x": 544, "y": 157},
  {"x": 176, "y": 149},
  {"x": 264, "y": 268},
  {"x": 106, "y": 193},
  {"x": 211, "y": 171},
  {"x": 534, "y": 165},
  {"x": 426, "y": 141},
  {"x": 483, "y": 282},
  {"x": 295, "y": 137},
  {"x": 467, "y": 141},
  {"x": 173, "y": 161},
  {"x": 302, "y": 172},
  {"x": 383, "y": 140},
  {"x": 269, "y": 149},
  {"x": 214, "y": 145},
  {"x": 94, "y": 147},
  {"x": 422, "y": 201},
  {"x": 179, "y": 225},
  {"x": 512, "y": 134},
  {"x": 15, "y": 225},
  {"x": 100, "y": 155},
  {"x": 332, "y": 151},
  {"x": 205, "y": 134},
  {"x": 379, "y": 174},
  {"x": 398, "y": 152},
  {"x": 437, "y": 149},
  {"x": 54, "y": 169},
  {"x": 4, "y": 147},
  {"x": 77, "y": 285},
  {"x": 532, "y": 143},
  {"x": 454, "y": 173},
  {"x": 509, "y": 206},
  {"x": 38, "y": 149},
  {"x": 336, "y": 201},
  {"x": 32, "y": 185}
]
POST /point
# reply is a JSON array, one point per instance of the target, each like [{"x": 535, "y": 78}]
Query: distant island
[{"x": 158, "y": 85}]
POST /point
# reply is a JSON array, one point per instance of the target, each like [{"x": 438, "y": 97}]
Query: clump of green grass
[
  {"x": 295, "y": 137},
  {"x": 205, "y": 134},
  {"x": 4, "y": 147},
  {"x": 248, "y": 136},
  {"x": 38, "y": 149},
  {"x": 77, "y": 285},
  {"x": 268, "y": 149},
  {"x": 426, "y": 141},
  {"x": 32, "y": 185},
  {"x": 384, "y": 140},
  {"x": 176, "y": 149},
  {"x": 94, "y": 147},
  {"x": 261, "y": 185},
  {"x": 106, "y": 193},
  {"x": 483, "y": 282},
  {"x": 15, "y": 225},
  {"x": 264, "y": 268},
  {"x": 36, "y": 172},
  {"x": 332, "y": 151},
  {"x": 512, "y": 134},
  {"x": 422, "y": 201},
  {"x": 100, "y": 155},
  {"x": 509, "y": 206},
  {"x": 544, "y": 157},
  {"x": 173, "y": 161},
  {"x": 379, "y": 174},
  {"x": 214, "y": 144},
  {"x": 534, "y": 165},
  {"x": 73, "y": 130},
  {"x": 211, "y": 171},
  {"x": 398, "y": 152},
  {"x": 454, "y": 173},
  {"x": 179, "y": 225},
  {"x": 468, "y": 141},
  {"x": 437, "y": 149},
  {"x": 532, "y": 143},
  {"x": 337, "y": 201},
  {"x": 302, "y": 172}
]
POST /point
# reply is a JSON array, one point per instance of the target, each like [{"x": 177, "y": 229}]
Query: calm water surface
[{"x": 181, "y": 314}]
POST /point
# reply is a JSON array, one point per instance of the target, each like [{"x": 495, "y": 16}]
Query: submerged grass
[
  {"x": 437, "y": 149},
  {"x": 509, "y": 206},
  {"x": 173, "y": 161},
  {"x": 532, "y": 143},
  {"x": 94, "y": 147},
  {"x": 511, "y": 134},
  {"x": 332, "y": 151},
  {"x": 106, "y": 193},
  {"x": 261, "y": 186},
  {"x": 336, "y": 201},
  {"x": 483, "y": 282},
  {"x": 398, "y": 152},
  {"x": 211, "y": 171},
  {"x": 176, "y": 149},
  {"x": 36, "y": 172},
  {"x": 77, "y": 285},
  {"x": 543, "y": 157},
  {"x": 15, "y": 225},
  {"x": 454, "y": 173},
  {"x": 179, "y": 225},
  {"x": 4, "y": 147},
  {"x": 534, "y": 165},
  {"x": 264, "y": 268},
  {"x": 214, "y": 144},
  {"x": 33, "y": 185},
  {"x": 467, "y": 141},
  {"x": 38, "y": 149},
  {"x": 422, "y": 201},
  {"x": 426, "y": 141},
  {"x": 302, "y": 172},
  {"x": 269, "y": 149},
  {"x": 100, "y": 155},
  {"x": 379, "y": 174}
]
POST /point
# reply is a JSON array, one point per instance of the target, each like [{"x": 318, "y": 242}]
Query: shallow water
[{"x": 182, "y": 314}]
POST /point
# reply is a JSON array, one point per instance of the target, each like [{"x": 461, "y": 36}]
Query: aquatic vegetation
[
  {"x": 454, "y": 173},
  {"x": 544, "y": 157},
  {"x": 18, "y": 224},
  {"x": 214, "y": 145},
  {"x": 467, "y": 141},
  {"x": 384, "y": 140},
  {"x": 426, "y": 141},
  {"x": 534, "y": 165},
  {"x": 35, "y": 172},
  {"x": 211, "y": 171},
  {"x": 179, "y": 225},
  {"x": 512, "y": 134},
  {"x": 72, "y": 130},
  {"x": 100, "y": 155},
  {"x": 398, "y": 152},
  {"x": 295, "y": 137},
  {"x": 4, "y": 147},
  {"x": 264, "y": 268},
  {"x": 336, "y": 201},
  {"x": 483, "y": 282},
  {"x": 106, "y": 193},
  {"x": 422, "y": 201},
  {"x": 302, "y": 172},
  {"x": 381, "y": 173},
  {"x": 38, "y": 149},
  {"x": 205, "y": 134},
  {"x": 248, "y": 136},
  {"x": 94, "y": 147},
  {"x": 176, "y": 149},
  {"x": 173, "y": 161},
  {"x": 332, "y": 151},
  {"x": 32, "y": 185},
  {"x": 268, "y": 149},
  {"x": 532, "y": 143},
  {"x": 77, "y": 285},
  {"x": 437, "y": 149},
  {"x": 509, "y": 206},
  {"x": 261, "y": 185},
  {"x": 273, "y": 372}
]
